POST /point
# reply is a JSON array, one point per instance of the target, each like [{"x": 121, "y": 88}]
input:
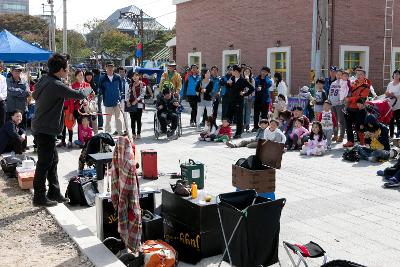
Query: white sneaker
[{"x": 198, "y": 128}]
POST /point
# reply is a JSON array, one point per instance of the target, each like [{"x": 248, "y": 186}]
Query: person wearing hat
[
  {"x": 17, "y": 94},
  {"x": 3, "y": 96},
  {"x": 167, "y": 106},
  {"x": 239, "y": 87},
  {"x": 110, "y": 87},
  {"x": 190, "y": 92},
  {"x": 172, "y": 76},
  {"x": 330, "y": 79}
]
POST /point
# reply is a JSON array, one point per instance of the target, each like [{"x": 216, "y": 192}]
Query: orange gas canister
[{"x": 149, "y": 164}]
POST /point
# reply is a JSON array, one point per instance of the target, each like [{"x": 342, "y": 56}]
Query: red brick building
[{"x": 278, "y": 34}]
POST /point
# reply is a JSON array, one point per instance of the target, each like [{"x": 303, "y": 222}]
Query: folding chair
[{"x": 309, "y": 250}]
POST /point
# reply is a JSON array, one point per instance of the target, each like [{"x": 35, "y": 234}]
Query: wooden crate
[{"x": 260, "y": 180}]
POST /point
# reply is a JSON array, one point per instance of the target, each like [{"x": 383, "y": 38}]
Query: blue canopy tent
[
  {"x": 15, "y": 50},
  {"x": 151, "y": 71}
]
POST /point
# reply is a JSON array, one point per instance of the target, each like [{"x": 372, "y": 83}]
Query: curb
[{"x": 87, "y": 242}]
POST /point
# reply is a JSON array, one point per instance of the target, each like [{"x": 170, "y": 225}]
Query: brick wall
[{"x": 254, "y": 26}]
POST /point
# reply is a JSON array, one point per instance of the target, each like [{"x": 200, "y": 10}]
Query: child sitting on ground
[
  {"x": 272, "y": 133},
  {"x": 279, "y": 106},
  {"x": 252, "y": 143},
  {"x": 316, "y": 144},
  {"x": 85, "y": 133},
  {"x": 224, "y": 132},
  {"x": 284, "y": 118},
  {"x": 328, "y": 121},
  {"x": 297, "y": 135},
  {"x": 210, "y": 128}
]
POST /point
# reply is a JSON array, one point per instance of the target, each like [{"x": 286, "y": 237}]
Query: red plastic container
[{"x": 149, "y": 164}]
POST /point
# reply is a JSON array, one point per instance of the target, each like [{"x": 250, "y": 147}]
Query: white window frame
[
  {"x": 194, "y": 54},
  {"x": 394, "y": 51},
  {"x": 355, "y": 48},
  {"x": 226, "y": 53},
  {"x": 287, "y": 50}
]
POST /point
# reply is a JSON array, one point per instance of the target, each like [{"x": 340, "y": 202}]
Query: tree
[
  {"x": 77, "y": 47},
  {"x": 153, "y": 47},
  {"x": 95, "y": 29},
  {"x": 117, "y": 43},
  {"x": 31, "y": 29}
]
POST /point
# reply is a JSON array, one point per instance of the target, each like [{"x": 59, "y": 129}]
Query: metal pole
[
  {"x": 53, "y": 26},
  {"x": 324, "y": 38},
  {"x": 314, "y": 34},
  {"x": 65, "y": 32},
  {"x": 141, "y": 35}
]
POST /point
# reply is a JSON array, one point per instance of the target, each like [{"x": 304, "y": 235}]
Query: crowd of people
[{"x": 336, "y": 108}]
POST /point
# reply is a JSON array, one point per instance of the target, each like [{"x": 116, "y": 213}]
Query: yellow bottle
[{"x": 194, "y": 190}]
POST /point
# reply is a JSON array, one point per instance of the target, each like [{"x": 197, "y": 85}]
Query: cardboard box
[
  {"x": 25, "y": 179},
  {"x": 259, "y": 180}
]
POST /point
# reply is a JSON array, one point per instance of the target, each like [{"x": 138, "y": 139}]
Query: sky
[{"x": 81, "y": 11}]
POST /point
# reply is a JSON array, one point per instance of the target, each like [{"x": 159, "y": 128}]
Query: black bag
[
  {"x": 251, "y": 163},
  {"x": 81, "y": 191},
  {"x": 181, "y": 188},
  {"x": 9, "y": 164},
  {"x": 351, "y": 155}
]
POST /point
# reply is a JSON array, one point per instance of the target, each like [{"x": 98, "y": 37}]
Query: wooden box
[
  {"x": 25, "y": 179},
  {"x": 259, "y": 180}
]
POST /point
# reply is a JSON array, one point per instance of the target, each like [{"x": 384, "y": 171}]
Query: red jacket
[
  {"x": 225, "y": 131},
  {"x": 359, "y": 89},
  {"x": 72, "y": 104}
]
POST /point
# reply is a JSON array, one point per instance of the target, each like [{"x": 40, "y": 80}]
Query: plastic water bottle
[
  {"x": 194, "y": 190},
  {"x": 12, "y": 153}
]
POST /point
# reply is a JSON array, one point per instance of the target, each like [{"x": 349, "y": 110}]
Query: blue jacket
[
  {"x": 223, "y": 84},
  {"x": 191, "y": 85},
  {"x": 327, "y": 85},
  {"x": 263, "y": 96},
  {"x": 215, "y": 81},
  {"x": 111, "y": 91}
]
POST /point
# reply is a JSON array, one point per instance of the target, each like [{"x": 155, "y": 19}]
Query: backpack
[
  {"x": 81, "y": 191},
  {"x": 157, "y": 253},
  {"x": 351, "y": 155}
]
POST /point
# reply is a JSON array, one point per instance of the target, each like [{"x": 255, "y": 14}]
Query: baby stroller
[{"x": 100, "y": 143}]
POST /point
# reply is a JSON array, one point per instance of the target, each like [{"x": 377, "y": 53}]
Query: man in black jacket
[
  {"x": 48, "y": 122},
  {"x": 167, "y": 110},
  {"x": 238, "y": 88}
]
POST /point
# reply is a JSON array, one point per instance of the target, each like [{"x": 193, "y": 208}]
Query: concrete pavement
[{"x": 338, "y": 204}]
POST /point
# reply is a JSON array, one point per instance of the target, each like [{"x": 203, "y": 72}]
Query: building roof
[
  {"x": 171, "y": 42},
  {"x": 149, "y": 23},
  {"x": 163, "y": 54}
]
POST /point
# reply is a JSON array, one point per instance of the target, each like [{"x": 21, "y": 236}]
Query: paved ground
[{"x": 340, "y": 205}]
